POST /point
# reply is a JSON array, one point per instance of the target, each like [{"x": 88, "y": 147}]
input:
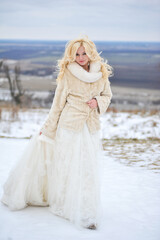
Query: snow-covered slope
[
  {"x": 130, "y": 201},
  {"x": 114, "y": 125},
  {"x": 130, "y": 192}
]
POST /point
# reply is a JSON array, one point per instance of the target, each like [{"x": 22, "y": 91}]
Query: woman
[{"x": 60, "y": 166}]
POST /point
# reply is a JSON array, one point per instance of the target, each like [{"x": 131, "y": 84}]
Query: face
[{"x": 81, "y": 56}]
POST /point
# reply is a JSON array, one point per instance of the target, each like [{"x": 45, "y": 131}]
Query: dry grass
[
  {"x": 135, "y": 111},
  {"x": 134, "y": 152},
  {"x": 8, "y": 105}
]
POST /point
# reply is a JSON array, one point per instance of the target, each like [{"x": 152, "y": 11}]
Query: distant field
[{"x": 135, "y": 64}]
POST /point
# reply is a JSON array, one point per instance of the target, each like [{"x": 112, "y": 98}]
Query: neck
[{"x": 86, "y": 67}]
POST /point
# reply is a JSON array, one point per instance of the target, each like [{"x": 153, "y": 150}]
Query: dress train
[{"x": 63, "y": 174}]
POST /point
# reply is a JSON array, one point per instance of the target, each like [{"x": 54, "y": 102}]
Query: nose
[{"x": 81, "y": 57}]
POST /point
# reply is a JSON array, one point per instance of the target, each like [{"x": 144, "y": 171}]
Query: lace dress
[{"x": 63, "y": 174}]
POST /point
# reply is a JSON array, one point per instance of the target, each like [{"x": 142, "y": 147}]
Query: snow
[
  {"x": 114, "y": 125},
  {"x": 137, "y": 153},
  {"x": 130, "y": 180},
  {"x": 21, "y": 124},
  {"x": 40, "y": 96},
  {"x": 130, "y": 201},
  {"x": 130, "y": 125}
]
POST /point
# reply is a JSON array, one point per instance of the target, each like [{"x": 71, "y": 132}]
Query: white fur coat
[{"x": 69, "y": 108}]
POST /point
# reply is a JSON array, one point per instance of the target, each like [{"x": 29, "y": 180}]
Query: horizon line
[{"x": 66, "y": 40}]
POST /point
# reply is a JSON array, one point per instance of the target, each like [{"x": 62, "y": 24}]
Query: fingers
[
  {"x": 92, "y": 100},
  {"x": 92, "y": 103}
]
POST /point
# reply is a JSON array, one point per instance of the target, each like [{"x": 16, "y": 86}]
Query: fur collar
[{"x": 93, "y": 75}]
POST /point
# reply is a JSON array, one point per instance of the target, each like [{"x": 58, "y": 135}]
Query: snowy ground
[
  {"x": 132, "y": 138},
  {"x": 130, "y": 186},
  {"x": 25, "y": 123},
  {"x": 135, "y": 153},
  {"x": 130, "y": 200}
]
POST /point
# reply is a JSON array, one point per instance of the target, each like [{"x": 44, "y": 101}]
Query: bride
[{"x": 60, "y": 166}]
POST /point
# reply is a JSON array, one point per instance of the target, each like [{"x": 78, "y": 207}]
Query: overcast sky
[{"x": 110, "y": 20}]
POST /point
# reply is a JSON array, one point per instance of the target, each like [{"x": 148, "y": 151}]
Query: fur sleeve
[
  {"x": 105, "y": 98},
  {"x": 50, "y": 125}
]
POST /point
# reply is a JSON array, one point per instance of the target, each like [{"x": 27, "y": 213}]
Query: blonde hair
[{"x": 71, "y": 48}]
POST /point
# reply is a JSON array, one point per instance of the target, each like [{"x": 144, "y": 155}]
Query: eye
[
  {"x": 77, "y": 54},
  {"x": 84, "y": 53}
]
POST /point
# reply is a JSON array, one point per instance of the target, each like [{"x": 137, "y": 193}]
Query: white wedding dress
[{"x": 63, "y": 174}]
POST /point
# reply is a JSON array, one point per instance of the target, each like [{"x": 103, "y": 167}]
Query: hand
[
  {"x": 92, "y": 103},
  {"x": 40, "y": 133}
]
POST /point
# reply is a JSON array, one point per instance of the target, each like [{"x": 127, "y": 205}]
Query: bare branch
[{"x": 6, "y": 70}]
